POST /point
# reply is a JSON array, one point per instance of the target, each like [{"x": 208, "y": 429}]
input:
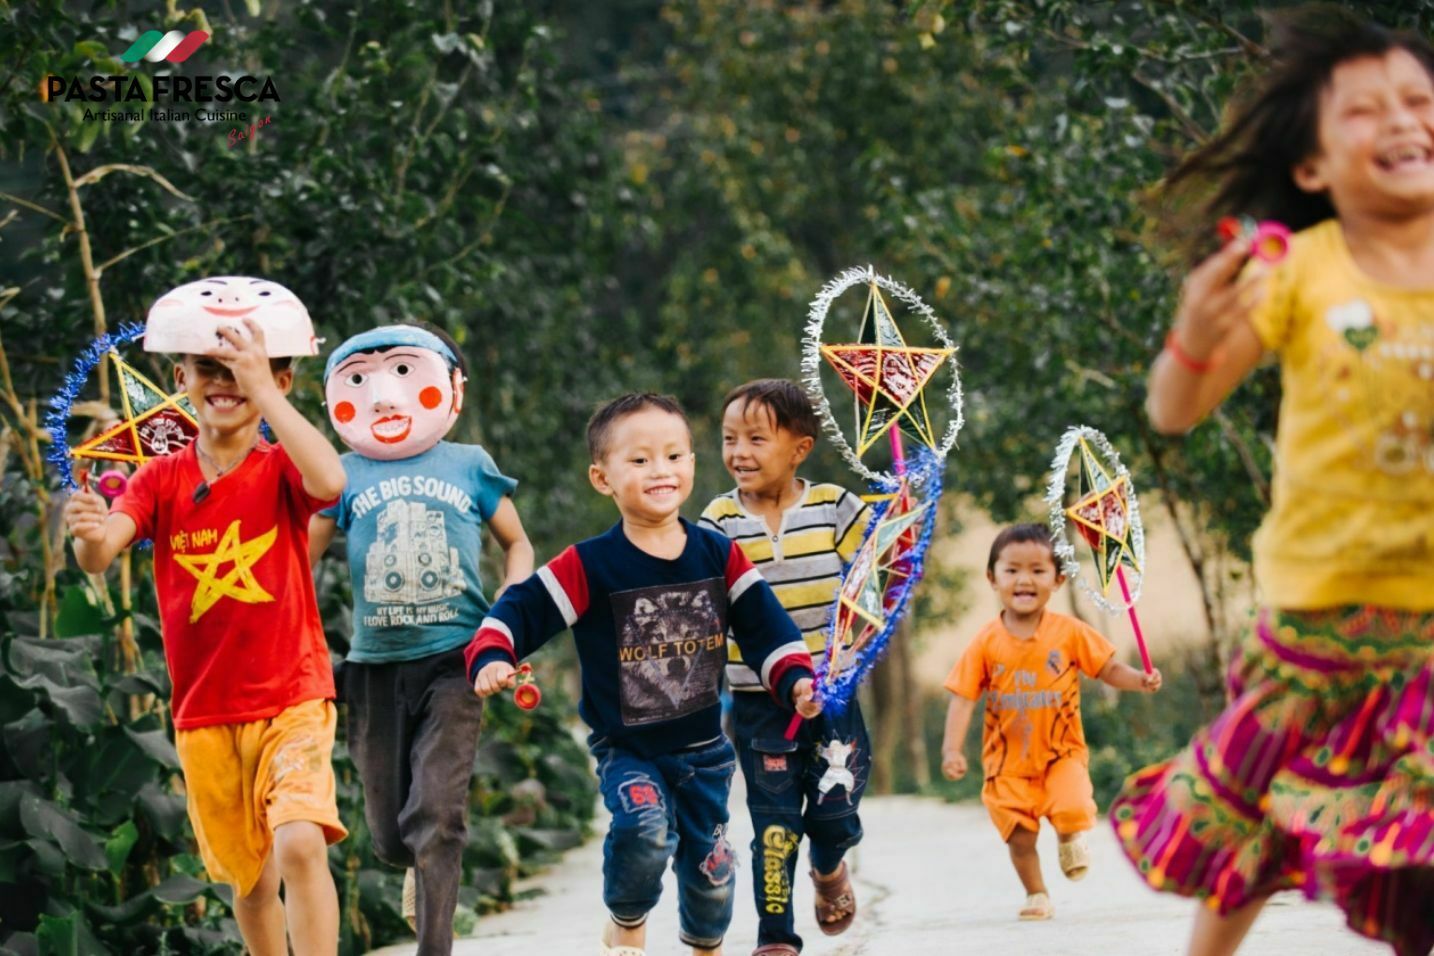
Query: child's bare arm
[
  {"x": 953, "y": 744},
  {"x": 1124, "y": 677},
  {"x": 306, "y": 446},
  {"x": 508, "y": 531},
  {"x": 99, "y": 535},
  {"x": 1211, "y": 327},
  {"x": 321, "y": 533}
]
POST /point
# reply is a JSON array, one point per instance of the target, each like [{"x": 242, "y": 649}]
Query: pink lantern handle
[{"x": 1134, "y": 620}]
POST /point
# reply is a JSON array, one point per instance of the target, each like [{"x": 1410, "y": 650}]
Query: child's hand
[
  {"x": 85, "y": 514},
  {"x": 1151, "y": 682},
  {"x": 1214, "y": 298},
  {"x": 804, "y": 700},
  {"x": 246, "y": 358},
  {"x": 953, "y": 765},
  {"x": 499, "y": 675}
]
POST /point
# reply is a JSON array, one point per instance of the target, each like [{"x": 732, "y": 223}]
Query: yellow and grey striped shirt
[{"x": 802, "y": 562}]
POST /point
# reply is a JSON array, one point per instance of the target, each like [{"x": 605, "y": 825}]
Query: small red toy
[
  {"x": 1269, "y": 240},
  {"x": 527, "y": 695}
]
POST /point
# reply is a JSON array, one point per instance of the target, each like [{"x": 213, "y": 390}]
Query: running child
[
  {"x": 1028, "y": 663},
  {"x": 800, "y": 535},
  {"x": 1319, "y": 775},
  {"x": 650, "y": 603},
  {"x": 253, "y": 688}
]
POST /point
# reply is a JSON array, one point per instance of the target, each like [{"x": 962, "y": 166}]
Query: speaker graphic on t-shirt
[{"x": 410, "y": 561}]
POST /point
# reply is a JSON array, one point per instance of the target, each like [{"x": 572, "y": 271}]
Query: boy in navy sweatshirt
[{"x": 650, "y": 603}]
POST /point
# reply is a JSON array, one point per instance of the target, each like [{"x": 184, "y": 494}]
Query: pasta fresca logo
[{"x": 176, "y": 46}]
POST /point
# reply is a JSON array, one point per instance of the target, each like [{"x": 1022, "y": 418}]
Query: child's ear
[
  {"x": 1309, "y": 175},
  {"x": 458, "y": 383},
  {"x": 179, "y": 377},
  {"x": 284, "y": 378},
  {"x": 599, "y": 480},
  {"x": 991, "y": 578},
  {"x": 803, "y": 448}
]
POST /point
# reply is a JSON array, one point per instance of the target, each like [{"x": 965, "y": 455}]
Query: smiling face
[
  {"x": 647, "y": 466},
  {"x": 761, "y": 456},
  {"x": 395, "y": 403},
  {"x": 220, "y": 405},
  {"x": 186, "y": 320},
  {"x": 1024, "y": 577},
  {"x": 1376, "y": 138}
]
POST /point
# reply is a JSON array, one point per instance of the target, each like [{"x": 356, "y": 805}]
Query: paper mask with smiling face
[
  {"x": 186, "y": 320},
  {"x": 393, "y": 392}
]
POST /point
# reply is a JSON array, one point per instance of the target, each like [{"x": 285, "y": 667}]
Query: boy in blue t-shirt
[
  {"x": 414, "y": 510},
  {"x": 649, "y": 603}
]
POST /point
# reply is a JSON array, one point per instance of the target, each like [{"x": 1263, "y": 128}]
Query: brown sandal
[
  {"x": 777, "y": 949},
  {"x": 836, "y": 901}
]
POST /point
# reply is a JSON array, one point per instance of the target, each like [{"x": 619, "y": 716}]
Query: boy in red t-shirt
[
  {"x": 253, "y": 688},
  {"x": 1028, "y": 662}
]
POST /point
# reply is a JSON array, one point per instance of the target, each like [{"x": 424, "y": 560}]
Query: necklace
[{"x": 202, "y": 492}]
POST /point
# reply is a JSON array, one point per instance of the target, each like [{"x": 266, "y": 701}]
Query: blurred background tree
[{"x": 592, "y": 198}]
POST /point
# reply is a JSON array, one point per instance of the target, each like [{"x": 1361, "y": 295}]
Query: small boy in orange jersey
[{"x": 1028, "y": 662}]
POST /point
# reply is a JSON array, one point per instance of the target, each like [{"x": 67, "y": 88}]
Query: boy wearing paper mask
[
  {"x": 413, "y": 510},
  {"x": 253, "y": 691}
]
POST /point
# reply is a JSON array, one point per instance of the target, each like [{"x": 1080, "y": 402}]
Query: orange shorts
[
  {"x": 245, "y": 780},
  {"x": 1064, "y": 796}
]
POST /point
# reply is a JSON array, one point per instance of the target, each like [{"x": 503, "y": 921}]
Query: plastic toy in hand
[
  {"x": 1269, "y": 240},
  {"x": 526, "y": 694}
]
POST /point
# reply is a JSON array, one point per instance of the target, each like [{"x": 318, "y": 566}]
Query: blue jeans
[
  {"x": 793, "y": 789},
  {"x": 669, "y": 806}
]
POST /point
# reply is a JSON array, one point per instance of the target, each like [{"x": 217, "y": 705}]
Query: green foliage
[
  {"x": 94, "y": 844},
  {"x": 430, "y": 166}
]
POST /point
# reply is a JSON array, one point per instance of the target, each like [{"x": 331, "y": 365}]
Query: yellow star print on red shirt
[{"x": 238, "y": 582}]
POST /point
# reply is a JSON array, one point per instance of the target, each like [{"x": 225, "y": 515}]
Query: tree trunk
[
  {"x": 911, "y": 699},
  {"x": 885, "y": 719}
]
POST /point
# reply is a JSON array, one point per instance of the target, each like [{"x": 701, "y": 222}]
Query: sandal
[
  {"x": 777, "y": 949},
  {"x": 835, "y": 902},
  {"x": 606, "y": 948},
  {"x": 1038, "y": 906},
  {"x": 1075, "y": 857}
]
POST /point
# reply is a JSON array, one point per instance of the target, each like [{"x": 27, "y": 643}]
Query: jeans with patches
[
  {"x": 669, "y": 806},
  {"x": 412, "y": 733},
  {"x": 793, "y": 790}
]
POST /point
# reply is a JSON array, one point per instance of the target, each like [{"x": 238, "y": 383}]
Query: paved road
[{"x": 933, "y": 879}]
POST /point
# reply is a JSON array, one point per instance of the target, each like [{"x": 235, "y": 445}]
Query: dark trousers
[
  {"x": 670, "y": 806},
  {"x": 413, "y": 732},
  {"x": 793, "y": 790}
]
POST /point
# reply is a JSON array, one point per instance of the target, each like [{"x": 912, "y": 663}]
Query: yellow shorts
[
  {"x": 1064, "y": 796},
  {"x": 245, "y": 780}
]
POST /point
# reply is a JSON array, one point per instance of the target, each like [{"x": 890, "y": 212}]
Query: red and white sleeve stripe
[
  {"x": 567, "y": 584},
  {"x": 741, "y": 573}
]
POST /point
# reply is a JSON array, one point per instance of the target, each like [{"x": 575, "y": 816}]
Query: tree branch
[
  {"x": 165, "y": 238},
  {"x": 10, "y": 197},
  {"x": 100, "y": 172}
]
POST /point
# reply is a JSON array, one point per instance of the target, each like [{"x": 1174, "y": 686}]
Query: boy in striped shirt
[
  {"x": 800, "y": 536},
  {"x": 649, "y": 603}
]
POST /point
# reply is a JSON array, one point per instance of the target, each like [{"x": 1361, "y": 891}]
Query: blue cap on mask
[{"x": 389, "y": 336}]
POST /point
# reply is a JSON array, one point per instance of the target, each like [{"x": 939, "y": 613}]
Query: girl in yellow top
[{"x": 1319, "y": 775}]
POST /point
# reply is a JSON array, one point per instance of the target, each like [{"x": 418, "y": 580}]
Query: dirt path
[{"x": 932, "y": 878}]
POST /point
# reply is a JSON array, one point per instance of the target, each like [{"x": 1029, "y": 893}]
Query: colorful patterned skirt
[{"x": 1319, "y": 776}]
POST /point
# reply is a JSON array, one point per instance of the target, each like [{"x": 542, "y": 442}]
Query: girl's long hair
[{"x": 1247, "y": 169}]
